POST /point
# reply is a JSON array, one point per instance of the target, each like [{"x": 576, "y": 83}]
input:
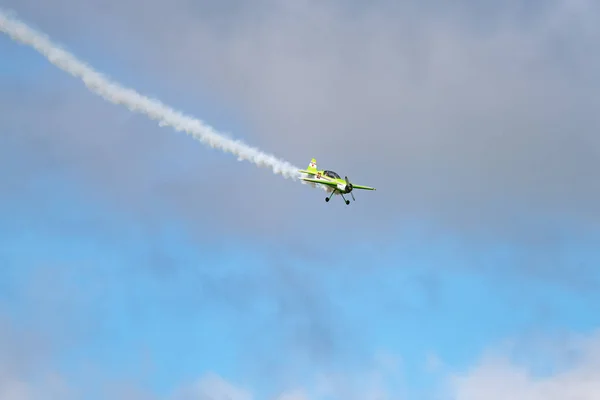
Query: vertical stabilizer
[{"x": 311, "y": 169}]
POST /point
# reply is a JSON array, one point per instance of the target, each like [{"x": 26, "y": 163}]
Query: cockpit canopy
[{"x": 331, "y": 174}]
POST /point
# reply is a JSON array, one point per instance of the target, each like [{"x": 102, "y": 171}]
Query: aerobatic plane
[{"x": 331, "y": 180}]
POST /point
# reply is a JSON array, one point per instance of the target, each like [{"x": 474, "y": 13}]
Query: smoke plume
[{"x": 117, "y": 94}]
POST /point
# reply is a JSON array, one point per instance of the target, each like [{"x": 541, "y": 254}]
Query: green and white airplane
[{"x": 332, "y": 181}]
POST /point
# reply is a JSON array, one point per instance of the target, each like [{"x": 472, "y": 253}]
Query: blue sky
[{"x": 135, "y": 261}]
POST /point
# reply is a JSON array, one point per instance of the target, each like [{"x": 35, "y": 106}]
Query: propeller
[
  {"x": 349, "y": 188},
  {"x": 348, "y": 185}
]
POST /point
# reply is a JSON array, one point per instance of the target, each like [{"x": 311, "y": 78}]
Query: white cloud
[
  {"x": 498, "y": 377},
  {"x": 26, "y": 373},
  {"x": 294, "y": 395},
  {"x": 212, "y": 387}
]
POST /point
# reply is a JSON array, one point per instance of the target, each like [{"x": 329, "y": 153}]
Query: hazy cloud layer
[
  {"x": 571, "y": 369},
  {"x": 26, "y": 373},
  {"x": 471, "y": 116}
]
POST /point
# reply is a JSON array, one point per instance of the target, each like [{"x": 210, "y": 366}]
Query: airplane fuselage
[{"x": 341, "y": 185}]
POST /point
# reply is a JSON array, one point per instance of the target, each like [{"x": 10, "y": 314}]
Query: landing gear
[
  {"x": 341, "y": 194},
  {"x": 330, "y": 196},
  {"x": 346, "y": 201}
]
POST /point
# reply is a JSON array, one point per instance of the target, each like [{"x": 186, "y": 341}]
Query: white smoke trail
[{"x": 154, "y": 109}]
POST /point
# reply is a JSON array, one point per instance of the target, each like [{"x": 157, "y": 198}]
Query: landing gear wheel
[
  {"x": 347, "y": 202},
  {"x": 327, "y": 199}
]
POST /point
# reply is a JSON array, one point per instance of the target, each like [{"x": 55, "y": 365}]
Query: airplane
[{"x": 332, "y": 181}]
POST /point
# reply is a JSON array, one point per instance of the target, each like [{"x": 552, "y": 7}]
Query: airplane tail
[{"x": 312, "y": 167}]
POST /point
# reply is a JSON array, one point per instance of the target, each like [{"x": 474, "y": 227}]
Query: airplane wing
[
  {"x": 363, "y": 187},
  {"x": 333, "y": 184},
  {"x": 321, "y": 181}
]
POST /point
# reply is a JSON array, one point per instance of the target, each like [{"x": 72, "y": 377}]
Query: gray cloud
[{"x": 472, "y": 125}]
